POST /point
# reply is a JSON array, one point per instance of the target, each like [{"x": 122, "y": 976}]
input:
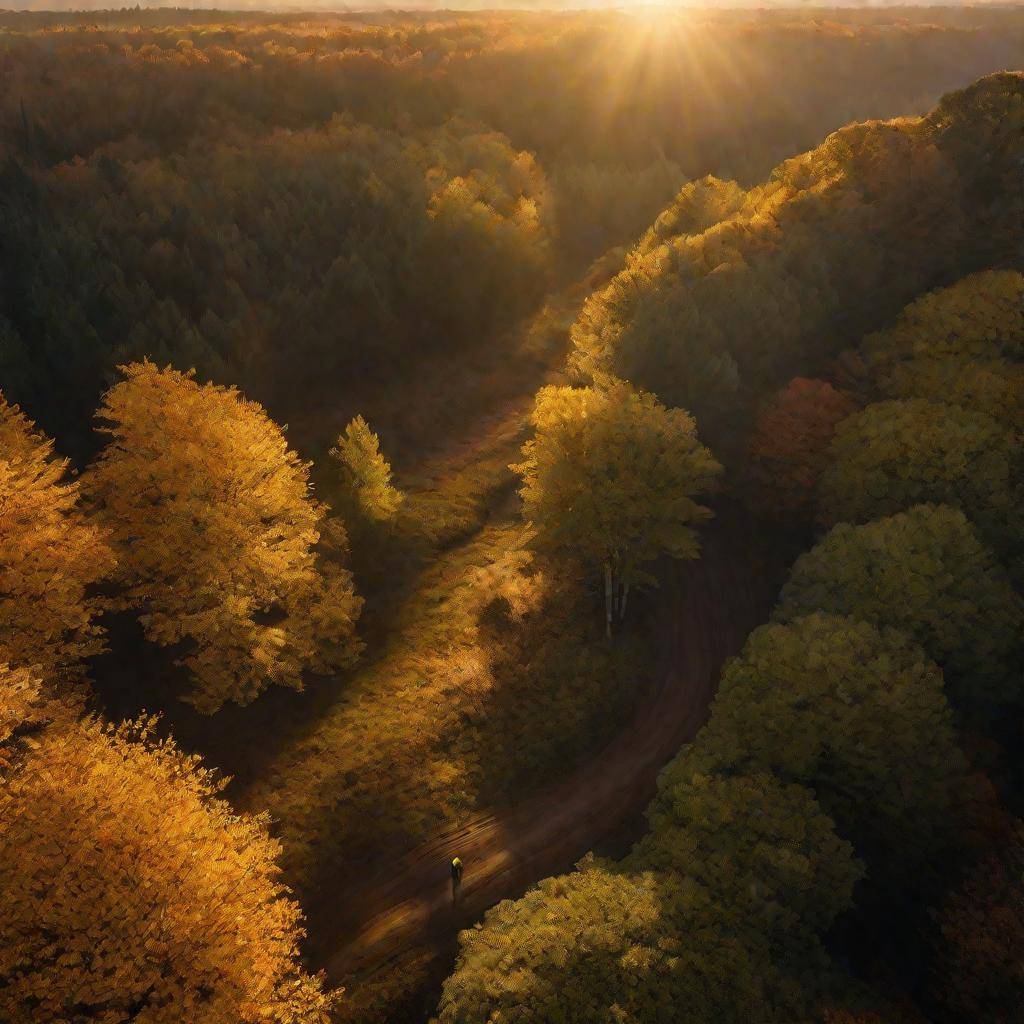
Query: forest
[{"x": 512, "y": 517}]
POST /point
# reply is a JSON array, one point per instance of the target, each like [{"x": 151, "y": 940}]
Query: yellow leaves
[
  {"x": 216, "y": 530},
  {"x": 369, "y": 475},
  {"x": 610, "y": 476},
  {"x": 154, "y": 894},
  {"x": 50, "y": 557}
]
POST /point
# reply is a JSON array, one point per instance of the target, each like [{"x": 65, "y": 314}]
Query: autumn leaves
[
  {"x": 221, "y": 548},
  {"x": 610, "y": 480},
  {"x": 52, "y": 556},
  {"x": 196, "y": 517},
  {"x": 127, "y": 886}
]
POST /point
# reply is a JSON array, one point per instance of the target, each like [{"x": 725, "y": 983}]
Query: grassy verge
[
  {"x": 484, "y": 674},
  {"x": 494, "y": 675}
]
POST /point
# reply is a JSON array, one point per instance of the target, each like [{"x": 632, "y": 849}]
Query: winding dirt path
[{"x": 378, "y": 921}]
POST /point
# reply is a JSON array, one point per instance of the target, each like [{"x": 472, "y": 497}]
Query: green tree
[
  {"x": 763, "y": 848},
  {"x": 220, "y": 545},
  {"x": 994, "y": 387},
  {"x": 718, "y": 911},
  {"x": 856, "y": 714},
  {"x": 963, "y": 345},
  {"x": 611, "y": 477},
  {"x": 981, "y": 317},
  {"x": 894, "y": 455},
  {"x": 925, "y": 573},
  {"x": 368, "y": 475}
]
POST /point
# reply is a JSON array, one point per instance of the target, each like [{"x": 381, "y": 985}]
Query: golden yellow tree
[
  {"x": 221, "y": 546},
  {"x": 50, "y": 556},
  {"x": 20, "y": 706},
  {"x": 611, "y": 478},
  {"x": 130, "y": 891},
  {"x": 367, "y": 472}
]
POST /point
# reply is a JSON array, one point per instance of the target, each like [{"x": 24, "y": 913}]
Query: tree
[
  {"x": 897, "y": 454},
  {"x": 611, "y": 478},
  {"x": 717, "y": 911},
  {"x": 129, "y": 891},
  {"x": 762, "y": 847},
  {"x": 981, "y": 317},
  {"x": 963, "y": 345},
  {"x": 221, "y": 547},
  {"x": 925, "y": 573},
  {"x": 979, "y": 973},
  {"x": 857, "y": 715},
  {"x": 994, "y": 387},
  {"x": 788, "y": 449},
  {"x": 368, "y": 474},
  {"x": 51, "y": 557},
  {"x": 810, "y": 257}
]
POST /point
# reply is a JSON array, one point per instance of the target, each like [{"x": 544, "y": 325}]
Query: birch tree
[{"x": 611, "y": 479}]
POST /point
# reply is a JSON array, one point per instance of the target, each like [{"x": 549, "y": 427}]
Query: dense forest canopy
[
  {"x": 259, "y": 198},
  {"x": 896, "y": 635},
  {"x": 349, "y": 365}
]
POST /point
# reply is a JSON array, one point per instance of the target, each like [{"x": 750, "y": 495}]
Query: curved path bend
[{"x": 375, "y": 923}]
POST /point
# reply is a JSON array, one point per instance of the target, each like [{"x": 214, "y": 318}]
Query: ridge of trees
[
  {"x": 843, "y": 696},
  {"x": 835, "y": 242}
]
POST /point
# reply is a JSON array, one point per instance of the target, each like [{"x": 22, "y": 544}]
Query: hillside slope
[{"x": 730, "y": 291}]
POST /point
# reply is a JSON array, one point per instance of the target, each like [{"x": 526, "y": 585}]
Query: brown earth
[{"x": 371, "y": 925}]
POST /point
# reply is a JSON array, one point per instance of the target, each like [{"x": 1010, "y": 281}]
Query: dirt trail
[{"x": 378, "y": 921}]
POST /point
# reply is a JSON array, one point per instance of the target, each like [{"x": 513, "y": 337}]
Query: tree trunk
[
  {"x": 625, "y": 597},
  {"x": 608, "y": 591}
]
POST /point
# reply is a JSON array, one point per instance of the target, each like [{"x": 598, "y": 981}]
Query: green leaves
[
  {"x": 856, "y": 714},
  {"x": 717, "y": 911},
  {"x": 924, "y": 572},
  {"x": 897, "y": 454}
]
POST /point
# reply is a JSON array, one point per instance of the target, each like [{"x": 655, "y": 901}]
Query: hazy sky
[{"x": 438, "y": 5}]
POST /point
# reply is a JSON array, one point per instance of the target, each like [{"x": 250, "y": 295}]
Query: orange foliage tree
[
  {"x": 50, "y": 556},
  {"x": 789, "y": 447},
  {"x": 129, "y": 891},
  {"x": 979, "y": 974},
  {"x": 221, "y": 546}
]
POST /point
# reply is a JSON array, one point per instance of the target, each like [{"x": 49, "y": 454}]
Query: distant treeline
[{"x": 292, "y": 203}]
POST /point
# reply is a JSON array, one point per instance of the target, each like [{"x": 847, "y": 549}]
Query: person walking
[{"x": 456, "y": 879}]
